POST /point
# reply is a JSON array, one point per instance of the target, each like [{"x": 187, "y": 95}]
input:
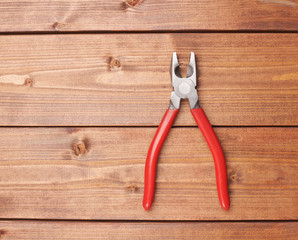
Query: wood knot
[
  {"x": 2, "y": 233},
  {"x": 132, "y": 3},
  {"x": 234, "y": 176},
  {"x": 28, "y": 82},
  {"x": 58, "y": 26},
  {"x": 79, "y": 149},
  {"x": 280, "y": 179},
  {"x": 132, "y": 187},
  {"x": 115, "y": 63}
]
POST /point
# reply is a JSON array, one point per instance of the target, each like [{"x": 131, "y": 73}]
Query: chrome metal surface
[{"x": 184, "y": 87}]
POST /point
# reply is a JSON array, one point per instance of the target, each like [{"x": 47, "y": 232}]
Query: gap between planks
[
  {"x": 152, "y": 32},
  {"x": 145, "y": 221}
]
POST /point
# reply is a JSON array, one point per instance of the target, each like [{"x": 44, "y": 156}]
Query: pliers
[{"x": 185, "y": 88}]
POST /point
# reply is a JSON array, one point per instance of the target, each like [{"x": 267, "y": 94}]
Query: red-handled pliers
[{"x": 185, "y": 88}]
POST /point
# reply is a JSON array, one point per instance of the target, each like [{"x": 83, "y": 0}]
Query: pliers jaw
[{"x": 184, "y": 87}]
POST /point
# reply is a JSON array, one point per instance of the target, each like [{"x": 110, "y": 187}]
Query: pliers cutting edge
[{"x": 185, "y": 88}]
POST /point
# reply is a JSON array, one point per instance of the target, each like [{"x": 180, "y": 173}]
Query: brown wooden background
[{"x": 83, "y": 86}]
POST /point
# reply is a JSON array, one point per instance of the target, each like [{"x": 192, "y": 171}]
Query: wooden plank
[
  {"x": 147, "y": 230},
  {"x": 81, "y": 15},
  {"x": 104, "y": 80},
  {"x": 97, "y": 173}
]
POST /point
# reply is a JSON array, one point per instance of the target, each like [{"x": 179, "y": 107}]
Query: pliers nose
[
  {"x": 185, "y": 88},
  {"x": 191, "y": 70}
]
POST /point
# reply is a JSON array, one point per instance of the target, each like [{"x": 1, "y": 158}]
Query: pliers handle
[{"x": 210, "y": 137}]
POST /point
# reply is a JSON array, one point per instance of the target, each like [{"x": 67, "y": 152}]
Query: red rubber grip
[
  {"x": 218, "y": 156},
  {"x": 152, "y": 156}
]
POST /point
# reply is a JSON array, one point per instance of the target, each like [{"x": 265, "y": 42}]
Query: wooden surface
[
  {"x": 83, "y": 87},
  {"x": 121, "y": 15},
  {"x": 97, "y": 173},
  {"x": 11, "y": 230},
  {"x": 117, "y": 80}
]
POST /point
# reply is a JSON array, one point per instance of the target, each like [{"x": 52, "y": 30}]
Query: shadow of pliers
[{"x": 185, "y": 88}]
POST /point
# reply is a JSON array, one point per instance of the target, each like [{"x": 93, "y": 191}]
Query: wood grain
[
  {"x": 147, "y": 230},
  {"x": 146, "y": 15},
  {"x": 123, "y": 79},
  {"x": 97, "y": 173}
]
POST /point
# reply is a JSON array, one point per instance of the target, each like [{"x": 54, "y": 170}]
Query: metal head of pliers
[{"x": 184, "y": 87}]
